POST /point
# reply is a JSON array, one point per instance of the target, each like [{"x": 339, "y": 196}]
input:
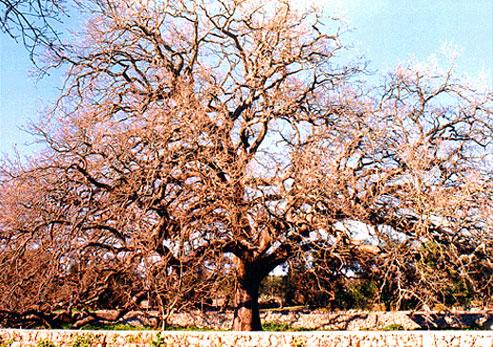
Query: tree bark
[{"x": 247, "y": 314}]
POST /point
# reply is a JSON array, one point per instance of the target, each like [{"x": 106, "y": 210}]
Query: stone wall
[
  {"x": 286, "y": 320},
  {"x": 327, "y": 320},
  {"x": 75, "y": 338}
]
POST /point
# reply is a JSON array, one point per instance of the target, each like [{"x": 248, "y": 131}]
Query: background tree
[{"x": 199, "y": 140}]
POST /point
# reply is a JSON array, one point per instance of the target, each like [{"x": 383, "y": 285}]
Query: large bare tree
[
  {"x": 197, "y": 141},
  {"x": 34, "y": 22}
]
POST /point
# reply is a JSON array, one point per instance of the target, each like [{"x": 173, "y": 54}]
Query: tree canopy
[{"x": 202, "y": 141}]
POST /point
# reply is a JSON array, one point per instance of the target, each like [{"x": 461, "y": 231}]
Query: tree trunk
[{"x": 247, "y": 315}]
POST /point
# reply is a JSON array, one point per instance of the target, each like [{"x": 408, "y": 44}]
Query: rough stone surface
[
  {"x": 300, "y": 319},
  {"x": 63, "y": 338},
  {"x": 326, "y": 320}
]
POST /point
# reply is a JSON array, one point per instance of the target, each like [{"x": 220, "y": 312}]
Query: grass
[
  {"x": 116, "y": 326},
  {"x": 121, "y": 326},
  {"x": 282, "y": 309},
  {"x": 393, "y": 327},
  {"x": 268, "y": 326},
  {"x": 172, "y": 328}
]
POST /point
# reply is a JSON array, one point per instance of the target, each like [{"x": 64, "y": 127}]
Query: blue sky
[{"x": 386, "y": 32}]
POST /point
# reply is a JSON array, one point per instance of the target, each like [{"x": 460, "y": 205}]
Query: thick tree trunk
[{"x": 247, "y": 315}]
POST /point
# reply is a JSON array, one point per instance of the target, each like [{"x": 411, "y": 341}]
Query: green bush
[{"x": 355, "y": 294}]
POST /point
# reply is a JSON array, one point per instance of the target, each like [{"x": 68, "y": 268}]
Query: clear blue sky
[{"x": 387, "y": 32}]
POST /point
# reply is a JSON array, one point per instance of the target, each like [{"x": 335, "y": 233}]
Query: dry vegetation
[{"x": 200, "y": 144}]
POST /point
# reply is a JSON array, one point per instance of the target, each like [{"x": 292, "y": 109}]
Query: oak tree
[{"x": 199, "y": 141}]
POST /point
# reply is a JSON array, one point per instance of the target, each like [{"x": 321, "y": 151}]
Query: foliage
[{"x": 356, "y": 294}]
